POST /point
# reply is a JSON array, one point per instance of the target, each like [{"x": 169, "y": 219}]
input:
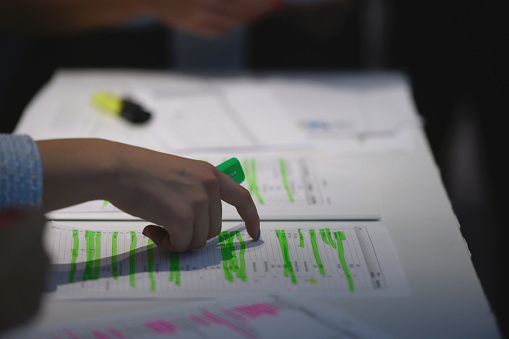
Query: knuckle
[
  {"x": 245, "y": 196},
  {"x": 183, "y": 219},
  {"x": 210, "y": 181},
  {"x": 207, "y": 167},
  {"x": 200, "y": 199},
  {"x": 206, "y": 173}
]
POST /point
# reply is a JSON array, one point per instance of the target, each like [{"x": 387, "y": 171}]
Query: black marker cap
[{"x": 133, "y": 112}]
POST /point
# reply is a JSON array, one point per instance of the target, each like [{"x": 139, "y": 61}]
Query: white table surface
[{"x": 447, "y": 298}]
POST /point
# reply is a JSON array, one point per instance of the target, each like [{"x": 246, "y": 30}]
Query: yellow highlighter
[{"x": 123, "y": 107}]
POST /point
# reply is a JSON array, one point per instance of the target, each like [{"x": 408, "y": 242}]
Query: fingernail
[{"x": 259, "y": 234}]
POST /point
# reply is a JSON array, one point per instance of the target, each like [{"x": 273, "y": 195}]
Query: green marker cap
[{"x": 233, "y": 169}]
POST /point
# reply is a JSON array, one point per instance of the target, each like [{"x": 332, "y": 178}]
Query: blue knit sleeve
[{"x": 20, "y": 172}]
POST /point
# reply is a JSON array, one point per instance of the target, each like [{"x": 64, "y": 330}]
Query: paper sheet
[
  {"x": 260, "y": 316},
  {"x": 214, "y": 114},
  {"x": 319, "y": 258},
  {"x": 282, "y": 187},
  {"x": 193, "y": 118},
  {"x": 365, "y": 103},
  {"x": 221, "y": 118}
]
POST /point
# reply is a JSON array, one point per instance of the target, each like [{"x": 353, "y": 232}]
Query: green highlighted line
[
  {"x": 226, "y": 254},
  {"x": 301, "y": 238},
  {"x": 241, "y": 273},
  {"x": 174, "y": 268},
  {"x": 232, "y": 264},
  {"x": 132, "y": 259},
  {"x": 89, "y": 265},
  {"x": 284, "y": 173},
  {"x": 331, "y": 241},
  {"x": 340, "y": 236},
  {"x": 114, "y": 269},
  {"x": 283, "y": 243},
  {"x": 74, "y": 254},
  {"x": 324, "y": 236},
  {"x": 150, "y": 268},
  {"x": 249, "y": 165},
  {"x": 312, "y": 236},
  {"x": 97, "y": 261}
]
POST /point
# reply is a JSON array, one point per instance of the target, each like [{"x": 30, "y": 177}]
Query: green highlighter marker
[{"x": 233, "y": 169}]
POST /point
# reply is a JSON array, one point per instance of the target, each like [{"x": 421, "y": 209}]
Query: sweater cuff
[{"x": 20, "y": 172}]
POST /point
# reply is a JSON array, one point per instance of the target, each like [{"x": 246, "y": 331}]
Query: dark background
[{"x": 455, "y": 53}]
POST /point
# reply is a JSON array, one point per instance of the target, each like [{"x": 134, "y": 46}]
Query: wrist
[
  {"x": 118, "y": 173},
  {"x": 106, "y": 165},
  {"x": 75, "y": 171}
]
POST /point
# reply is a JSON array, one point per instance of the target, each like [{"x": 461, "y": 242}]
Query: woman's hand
[{"x": 182, "y": 195}]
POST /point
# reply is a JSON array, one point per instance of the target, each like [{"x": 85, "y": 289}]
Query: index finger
[{"x": 241, "y": 199}]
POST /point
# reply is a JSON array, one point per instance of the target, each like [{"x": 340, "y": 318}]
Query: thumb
[{"x": 159, "y": 236}]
